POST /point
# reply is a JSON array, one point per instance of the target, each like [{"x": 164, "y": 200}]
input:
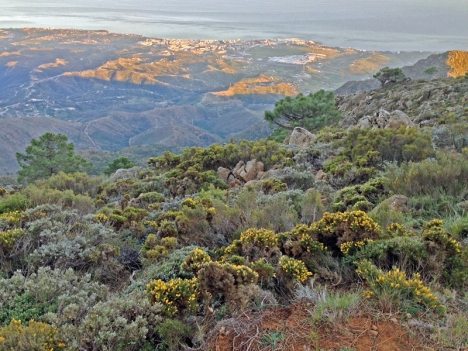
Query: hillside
[
  {"x": 128, "y": 90},
  {"x": 449, "y": 64},
  {"x": 353, "y": 238}
]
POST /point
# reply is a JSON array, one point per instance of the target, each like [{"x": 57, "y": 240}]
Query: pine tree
[{"x": 49, "y": 155}]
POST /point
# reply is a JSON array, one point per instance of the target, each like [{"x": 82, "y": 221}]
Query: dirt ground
[{"x": 292, "y": 329}]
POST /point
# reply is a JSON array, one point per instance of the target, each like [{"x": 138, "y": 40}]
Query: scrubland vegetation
[{"x": 163, "y": 257}]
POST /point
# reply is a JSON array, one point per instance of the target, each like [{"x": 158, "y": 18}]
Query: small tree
[
  {"x": 431, "y": 71},
  {"x": 47, "y": 156},
  {"x": 392, "y": 75},
  {"x": 118, "y": 163},
  {"x": 311, "y": 112}
]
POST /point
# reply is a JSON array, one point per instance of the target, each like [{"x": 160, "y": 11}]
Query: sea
[{"x": 393, "y": 25}]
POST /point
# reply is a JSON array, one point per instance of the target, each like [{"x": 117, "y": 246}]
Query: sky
[{"x": 363, "y": 24}]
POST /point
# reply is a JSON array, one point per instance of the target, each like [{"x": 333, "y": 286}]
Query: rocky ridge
[{"x": 418, "y": 103}]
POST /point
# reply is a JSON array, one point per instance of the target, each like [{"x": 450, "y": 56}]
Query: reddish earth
[{"x": 292, "y": 329}]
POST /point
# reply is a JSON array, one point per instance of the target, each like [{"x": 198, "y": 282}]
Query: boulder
[
  {"x": 225, "y": 174},
  {"x": 384, "y": 120},
  {"x": 395, "y": 203},
  {"x": 126, "y": 173},
  {"x": 363, "y": 123},
  {"x": 301, "y": 137},
  {"x": 237, "y": 168},
  {"x": 398, "y": 119},
  {"x": 320, "y": 175}
]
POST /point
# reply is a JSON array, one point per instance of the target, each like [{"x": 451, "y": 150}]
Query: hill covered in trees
[{"x": 353, "y": 237}]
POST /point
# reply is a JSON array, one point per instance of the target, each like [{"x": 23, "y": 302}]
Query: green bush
[
  {"x": 80, "y": 183},
  {"x": 14, "y": 202},
  {"x": 447, "y": 174}
]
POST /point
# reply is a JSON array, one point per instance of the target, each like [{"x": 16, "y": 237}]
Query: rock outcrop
[
  {"x": 301, "y": 137},
  {"x": 411, "y": 103},
  {"x": 396, "y": 203},
  {"x": 243, "y": 173},
  {"x": 384, "y": 120}
]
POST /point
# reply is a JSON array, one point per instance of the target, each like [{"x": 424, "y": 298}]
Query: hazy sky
[{"x": 366, "y": 24}]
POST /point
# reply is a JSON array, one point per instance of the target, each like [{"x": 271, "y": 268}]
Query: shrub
[
  {"x": 3, "y": 192},
  {"x": 34, "y": 336},
  {"x": 312, "y": 208},
  {"x": 124, "y": 323},
  {"x": 394, "y": 287},
  {"x": 80, "y": 183},
  {"x": 447, "y": 252},
  {"x": 294, "y": 268},
  {"x": 67, "y": 198},
  {"x": 173, "y": 333},
  {"x": 254, "y": 244},
  {"x": 360, "y": 197},
  {"x": 447, "y": 174},
  {"x": 264, "y": 270},
  {"x": 226, "y": 281},
  {"x": 435, "y": 233},
  {"x": 407, "y": 253},
  {"x": 366, "y": 150},
  {"x": 10, "y": 219},
  {"x": 259, "y": 237},
  {"x": 8, "y": 238},
  {"x": 195, "y": 261},
  {"x": 195, "y": 169},
  {"x": 292, "y": 178},
  {"x": 177, "y": 296},
  {"x": 147, "y": 199},
  {"x": 335, "y": 229},
  {"x": 351, "y": 247},
  {"x": 14, "y": 202},
  {"x": 167, "y": 269},
  {"x": 59, "y": 297},
  {"x": 273, "y": 186}
]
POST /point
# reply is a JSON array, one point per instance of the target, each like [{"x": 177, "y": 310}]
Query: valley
[{"x": 109, "y": 91}]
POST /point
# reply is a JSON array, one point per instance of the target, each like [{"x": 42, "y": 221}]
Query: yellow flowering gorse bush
[
  {"x": 294, "y": 268},
  {"x": 100, "y": 218},
  {"x": 11, "y": 218},
  {"x": 396, "y": 229},
  {"x": 8, "y": 238},
  {"x": 434, "y": 231},
  {"x": 35, "y": 336},
  {"x": 352, "y": 246},
  {"x": 263, "y": 237},
  {"x": 397, "y": 284},
  {"x": 195, "y": 260},
  {"x": 357, "y": 221},
  {"x": 175, "y": 296}
]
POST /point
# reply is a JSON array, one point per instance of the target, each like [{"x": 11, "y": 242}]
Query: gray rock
[
  {"x": 320, "y": 175},
  {"x": 301, "y": 137},
  {"x": 398, "y": 119},
  {"x": 395, "y": 203},
  {"x": 224, "y": 174}
]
